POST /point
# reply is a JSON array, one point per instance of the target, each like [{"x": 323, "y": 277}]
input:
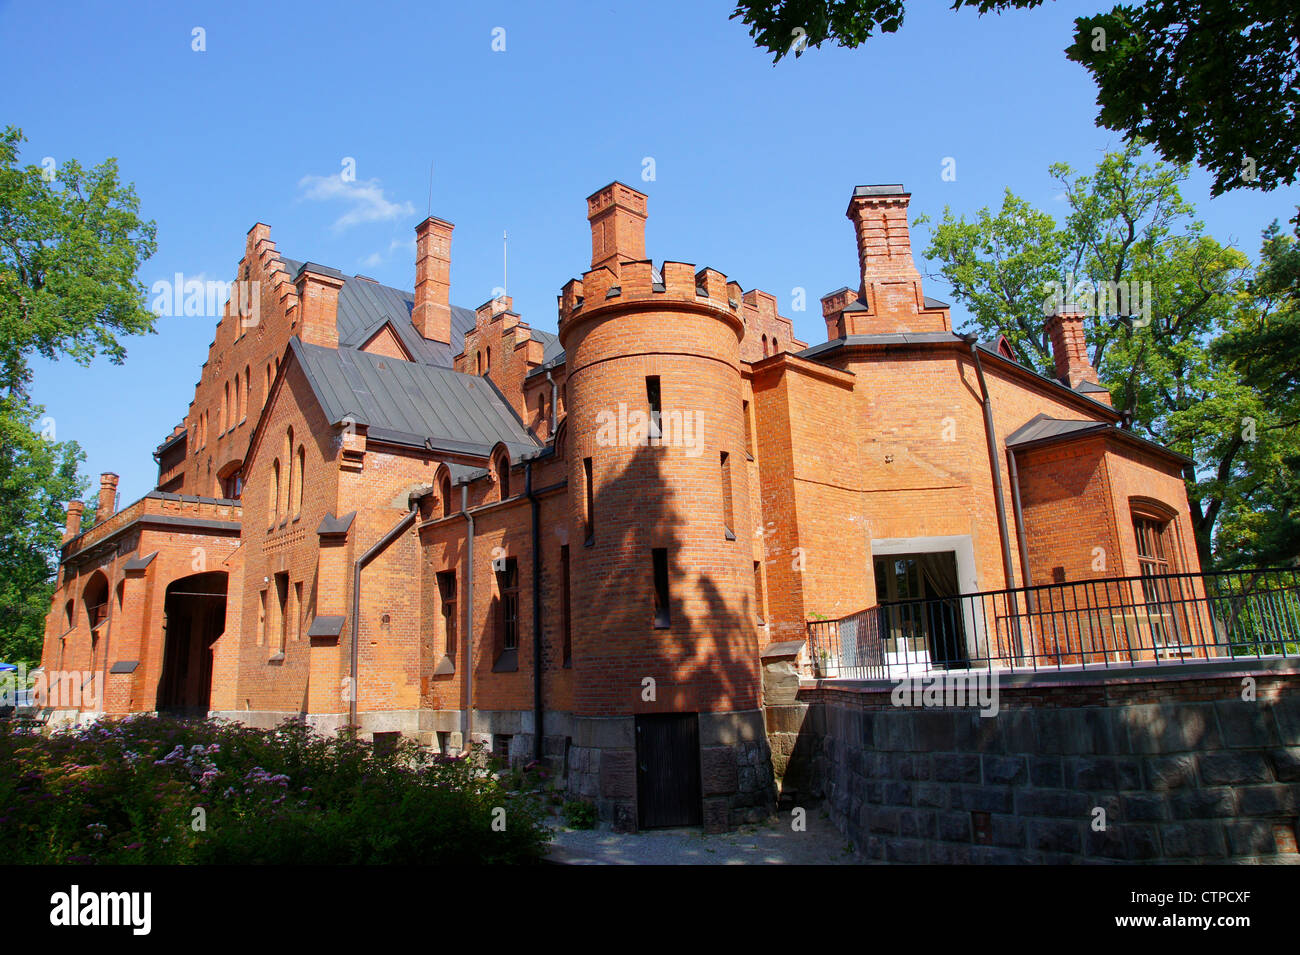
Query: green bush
[
  {"x": 580, "y": 815},
  {"x": 163, "y": 791}
]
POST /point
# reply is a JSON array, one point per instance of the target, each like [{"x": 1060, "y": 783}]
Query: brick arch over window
[
  {"x": 501, "y": 471},
  {"x": 443, "y": 484},
  {"x": 1156, "y": 536}
]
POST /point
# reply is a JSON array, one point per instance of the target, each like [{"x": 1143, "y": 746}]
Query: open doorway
[
  {"x": 194, "y": 617},
  {"x": 920, "y": 608}
]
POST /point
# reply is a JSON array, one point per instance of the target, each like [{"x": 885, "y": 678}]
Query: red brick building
[{"x": 385, "y": 510}]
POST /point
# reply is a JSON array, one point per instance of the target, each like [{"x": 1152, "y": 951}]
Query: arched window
[
  {"x": 478, "y": 362},
  {"x": 243, "y": 404},
  {"x": 445, "y": 491},
  {"x": 776, "y": 349},
  {"x": 70, "y": 619},
  {"x": 224, "y": 421},
  {"x": 302, "y": 464},
  {"x": 503, "y": 474},
  {"x": 488, "y": 369},
  {"x": 291, "y": 481},
  {"x": 765, "y": 351},
  {"x": 541, "y": 412},
  {"x": 275, "y": 492}
]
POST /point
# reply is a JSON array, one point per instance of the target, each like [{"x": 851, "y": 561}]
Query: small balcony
[{"x": 1103, "y": 624}]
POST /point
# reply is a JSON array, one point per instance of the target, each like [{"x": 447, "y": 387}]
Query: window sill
[
  {"x": 728, "y": 533},
  {"x": 508, "y": 662},
  {"x": 589, "y": 542},
  {"x": 277, "y": 658}
]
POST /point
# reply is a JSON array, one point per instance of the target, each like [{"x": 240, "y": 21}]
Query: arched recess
[
  {"x": 194, "y": 616},
  {"x": 94, "y": 597},
  {"x": 500, "y": 468}
]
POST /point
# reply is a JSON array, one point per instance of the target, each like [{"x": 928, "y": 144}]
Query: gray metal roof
[
  {"x": 1041, "y": 427},
  {"x": 410, "y": 403},
  {"x": 890, "y": 189},
  {"x": 892, "y": 338},
  {"x": 365, "y": 307}
]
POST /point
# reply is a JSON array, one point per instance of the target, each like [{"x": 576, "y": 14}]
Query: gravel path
[{"x": 773, "y": 842}]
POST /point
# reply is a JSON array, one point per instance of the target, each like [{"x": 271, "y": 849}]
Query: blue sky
[{"x": 753, "y": 163}]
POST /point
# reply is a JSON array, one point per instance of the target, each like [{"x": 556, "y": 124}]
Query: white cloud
[
  {"x": 365, "y": 200},
  {"x": 378, "y": 258}
]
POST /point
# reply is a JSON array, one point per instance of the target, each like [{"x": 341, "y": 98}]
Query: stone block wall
[{"x": 1183, "y": 768}]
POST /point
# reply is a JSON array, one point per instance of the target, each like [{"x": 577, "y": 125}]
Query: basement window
[{"x": 663, "y": 614}]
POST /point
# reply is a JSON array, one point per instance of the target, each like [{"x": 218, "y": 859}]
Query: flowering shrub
[{"x": 164, "y": 791}]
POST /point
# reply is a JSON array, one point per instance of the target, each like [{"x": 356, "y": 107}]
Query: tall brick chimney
[
  {"x": 318, "y": 304},
  {"x": 432, "y": 312},
  {"x": 1069, "y": 347},
  {"x": 617, "y": 214},
  {"x": 73, "y": 527},
  {"x": 107, "y": 506},
  {"x": 890, "y": 280}
]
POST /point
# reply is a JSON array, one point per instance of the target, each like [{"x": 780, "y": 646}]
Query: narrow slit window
[
  {"x": 663, "y": 613},
  {"x": 749, "y": 431},
  {"x": 591, "y": 501},
  {"x": 656, "y": 406},
  {"x": 759, "y": 598},
  {"x": 566, "y": 618},
  {"x": 728, "y": 519}
]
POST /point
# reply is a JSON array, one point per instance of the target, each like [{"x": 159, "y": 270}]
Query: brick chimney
[
  {"x": 891, "y": 284},
  {"x": 617, "y": 215},
  {"x": 107, "y": 506},
  {"x": 1069, "y": 347},
  {"x": 432, "y": 312},
  {"x": 73, "y": 526},
  {"x": 318, "y": 304}
]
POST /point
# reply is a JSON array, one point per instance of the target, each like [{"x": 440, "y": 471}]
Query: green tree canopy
[
  {"x": 1210, "y": 81},
  {"x": 1161, "y": 346},
  {"x": 71, "y": 244}
]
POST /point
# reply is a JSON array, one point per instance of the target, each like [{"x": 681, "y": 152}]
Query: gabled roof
[
  {"x": 364, "y": 307},
  {"x": 1042, "y": 429},
  {"x": 411, "y": 403}
]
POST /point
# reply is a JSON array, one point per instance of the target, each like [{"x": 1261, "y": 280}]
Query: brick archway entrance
[{"x": 194, "y": 617}]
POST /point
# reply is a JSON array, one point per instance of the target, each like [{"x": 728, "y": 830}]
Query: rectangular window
[
  {"x": 591, "y": 501},
  {"x": 508, "y": 608},
  {"x": 663, "y": 613},
  {"x": 444, "y": 742},
  {"x": 565, "y": 618},
  {"x": 728, "y": 519},
  {"x": 656, "y": 409},
  {"x": 759, "y": 599},
  {"x": 447, "y": 597},
  {"x": 282, "y": 607}
]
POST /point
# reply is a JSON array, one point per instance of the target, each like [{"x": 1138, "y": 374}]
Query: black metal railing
[{"x": 1089, "y": 624}]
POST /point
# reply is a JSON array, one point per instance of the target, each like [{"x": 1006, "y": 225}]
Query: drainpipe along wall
[
  {"x": 538, "y": 708},
  {"x": 468, "y": 720}
]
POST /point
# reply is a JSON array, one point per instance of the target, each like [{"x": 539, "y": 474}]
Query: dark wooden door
[{"x": 668, "y": 770}]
